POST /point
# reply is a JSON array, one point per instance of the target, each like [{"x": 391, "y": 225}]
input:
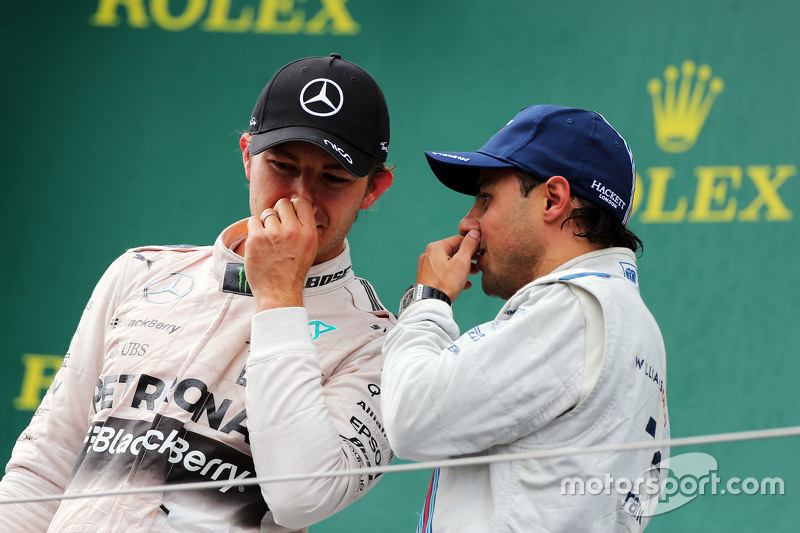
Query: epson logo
[{"x": 341, "y": 152}]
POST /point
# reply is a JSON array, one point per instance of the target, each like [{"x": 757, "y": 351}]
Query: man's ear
[
  {"x": 244, "y": 144},
  {"x": 380, "y": 183},
  {"x": 557, "y": 196}
]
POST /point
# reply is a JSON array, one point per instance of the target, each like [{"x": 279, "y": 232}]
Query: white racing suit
[
  {"x": 573, "y": 360},
  {"x": 162, "y": 385}
]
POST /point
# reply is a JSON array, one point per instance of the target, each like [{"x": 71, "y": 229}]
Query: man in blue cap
[{"x": 573, "y": 360}]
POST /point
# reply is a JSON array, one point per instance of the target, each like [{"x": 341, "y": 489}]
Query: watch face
[
  {"x": 407, "y": 298},
  {"x": 419, "y": 292}
]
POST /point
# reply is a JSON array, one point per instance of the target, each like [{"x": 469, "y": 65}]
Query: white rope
[{"x": 447, "y": 463}]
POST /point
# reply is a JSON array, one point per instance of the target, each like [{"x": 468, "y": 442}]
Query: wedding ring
[{"x": 264, "y": 216}]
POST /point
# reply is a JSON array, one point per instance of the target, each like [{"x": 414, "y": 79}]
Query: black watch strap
[{"x": 419, "y": 292}]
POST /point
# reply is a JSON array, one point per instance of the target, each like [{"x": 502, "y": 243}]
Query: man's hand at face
[
  {"x": 447, "y": 264},
  {"x": 280, "y": 248}
]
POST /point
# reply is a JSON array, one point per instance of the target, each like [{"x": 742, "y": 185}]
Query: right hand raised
[
  {"x": 279, "y": 252},
  {"x": 447, "y": 264}
]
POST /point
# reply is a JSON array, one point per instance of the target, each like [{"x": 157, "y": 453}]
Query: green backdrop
[{"x": 120, "y": 127}]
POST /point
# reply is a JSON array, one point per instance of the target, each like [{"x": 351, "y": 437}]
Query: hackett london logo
[
  {"x": 310, "y": 17},
  {"x": 682, "y": 104}
]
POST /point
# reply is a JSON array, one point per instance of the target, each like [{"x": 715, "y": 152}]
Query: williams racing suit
[
  {"x": 163, "y": 384},
  {"x": 573, "y": 360}
]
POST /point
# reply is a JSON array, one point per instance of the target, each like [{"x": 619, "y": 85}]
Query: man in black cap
[
  {"x": 573, "y": 359},
  {"x": 259, "y": 356}
]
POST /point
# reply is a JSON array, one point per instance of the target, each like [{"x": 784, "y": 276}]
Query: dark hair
[
  {"x": 592, "y": 222},
  {"x": 602, "y": 228}
]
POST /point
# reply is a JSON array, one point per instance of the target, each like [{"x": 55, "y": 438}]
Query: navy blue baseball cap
[{"x": 549, "y": 140}]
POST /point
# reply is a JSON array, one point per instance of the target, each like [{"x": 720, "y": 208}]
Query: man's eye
[
  {"x": 336, "y": 180},
  {"x": 282, "y": 165},
  {"x": 484, "y": 198}
]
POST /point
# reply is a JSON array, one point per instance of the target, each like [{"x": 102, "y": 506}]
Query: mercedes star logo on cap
[{"x": 318, "y": 100}]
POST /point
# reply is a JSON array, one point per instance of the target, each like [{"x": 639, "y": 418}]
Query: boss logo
[{"x": 319, "y": 281}]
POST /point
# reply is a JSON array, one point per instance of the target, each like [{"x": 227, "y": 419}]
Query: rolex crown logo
[{"x": 680, "y": 109}]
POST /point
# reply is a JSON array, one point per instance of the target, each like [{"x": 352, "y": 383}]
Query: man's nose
[
  {"x": 302, "y": 187},
  {"x": 470, "y": 221}
]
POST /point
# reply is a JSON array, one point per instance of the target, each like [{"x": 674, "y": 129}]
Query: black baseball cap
[{"x": 329, "y": 102}]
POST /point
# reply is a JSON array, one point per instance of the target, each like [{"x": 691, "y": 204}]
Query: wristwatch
[{"x": 418, "y": 292}]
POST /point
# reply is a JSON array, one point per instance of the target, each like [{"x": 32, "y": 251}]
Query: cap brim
[
  {"x": 355, "y": 161},
  {"x": 460, "y": 170}
]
